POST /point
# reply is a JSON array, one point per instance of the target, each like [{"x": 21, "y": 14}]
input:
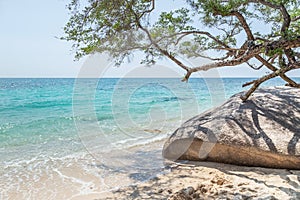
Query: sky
[{"x": 30, "y": 47}]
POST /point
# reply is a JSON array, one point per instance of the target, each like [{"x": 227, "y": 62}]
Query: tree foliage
[{"x": 228, "y": 32}]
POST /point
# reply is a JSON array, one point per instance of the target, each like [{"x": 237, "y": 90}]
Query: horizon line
[{"x": 57, "y": 77}]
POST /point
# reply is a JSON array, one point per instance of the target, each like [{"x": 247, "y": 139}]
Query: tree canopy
[{"x": 227, "y": 32}]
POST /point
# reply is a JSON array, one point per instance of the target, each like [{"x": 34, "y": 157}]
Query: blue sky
[
  {"x": 29, "y": 47},
  {"x": 28, "y": 44}
]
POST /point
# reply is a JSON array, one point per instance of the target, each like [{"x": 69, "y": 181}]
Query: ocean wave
[
  {"x": 138, "y": 141},
  {"x": 158, "y": 100},
  {"x": 5, "y": 127}
]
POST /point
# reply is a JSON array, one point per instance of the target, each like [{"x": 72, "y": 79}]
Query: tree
[{"x": 227, "y": 34}]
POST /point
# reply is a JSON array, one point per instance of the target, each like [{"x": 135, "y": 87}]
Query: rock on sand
[{"x": 263, "y": 131}]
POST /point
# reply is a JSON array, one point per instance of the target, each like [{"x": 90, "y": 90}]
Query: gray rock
[{"x": 264, "y": 131}]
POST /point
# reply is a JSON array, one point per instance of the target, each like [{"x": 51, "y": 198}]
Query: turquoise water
[{"x": 49, "y": 123}]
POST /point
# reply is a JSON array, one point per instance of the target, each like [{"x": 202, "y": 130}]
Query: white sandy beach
[{"x": 215, "y": 181}]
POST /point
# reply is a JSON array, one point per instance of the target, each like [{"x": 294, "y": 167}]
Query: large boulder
[{"x": 263, "y": 131}]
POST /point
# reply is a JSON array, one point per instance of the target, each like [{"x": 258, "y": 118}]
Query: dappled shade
[{"x": 264, "y": 131}]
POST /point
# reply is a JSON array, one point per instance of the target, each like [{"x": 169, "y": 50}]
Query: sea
[{"x": 77, "y": 138}]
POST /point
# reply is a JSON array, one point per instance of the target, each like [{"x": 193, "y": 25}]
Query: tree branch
[
  {"x": 281, "y": 7},
  {"x": 166, "y": 53},
  {"x": 148, "y": 11},
  {"x": 271, "y": 67},
  {"x": 282, "y": 43},
  {"x": 278, "y": 72},
  {"x": 213, "y": 59},
  {"x": 247, "y": 56},
  {"x": 244, "y": 24},
  {"x": 185, "y": 33},
  {"x": 295, "y": 19},
  {"x": 253, "y": 66}
]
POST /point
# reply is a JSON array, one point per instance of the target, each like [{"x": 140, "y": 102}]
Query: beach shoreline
[
  {"x": 208, "y": 180},
  {"x": 45, "y": 156}
]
